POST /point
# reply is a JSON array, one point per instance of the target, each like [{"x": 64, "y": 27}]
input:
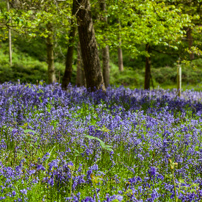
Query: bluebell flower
[
  {"x": 88, "y": 199},
  {"x": 23, "y": 191},
  {"x": 53, "y": 164},
  {"x": 40, "y": 167},
  {"x": 152, "y": 172}
]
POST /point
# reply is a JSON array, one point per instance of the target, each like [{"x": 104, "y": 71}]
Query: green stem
[
  {"x": 95, "y": 192},
  {"x": 71, "y": 184},
  {"x": 176, "y": 198}
]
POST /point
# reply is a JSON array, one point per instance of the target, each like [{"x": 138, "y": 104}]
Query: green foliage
[
  {"x": 153, "y": 22},
  {"x": 129, "y": 77},
  {"x": 25, "y": 68},
  {"x": 34, "y": 47},
  {"x": 159, "y": 23},
  {"x": 162, "y": 76}
]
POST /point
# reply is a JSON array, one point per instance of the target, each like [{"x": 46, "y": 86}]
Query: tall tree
[
  {"x": 105, "y": 50},
  {"x": 69, "y": 57},
  {"x": 89, "y": 50}
]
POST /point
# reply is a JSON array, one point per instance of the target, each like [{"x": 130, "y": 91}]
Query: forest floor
[{"x": 123, "y": 145}]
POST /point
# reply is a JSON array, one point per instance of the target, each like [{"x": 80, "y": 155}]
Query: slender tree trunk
[
  {"x": 120, "y": 59},
  {"x": 50, "y": 55},
  {"x": 69, "y": 57},
  {"x": 79, "y": 68},
  {"x": 9, "y": 37},
  {"x": 106, "y": 70},
  {"x": 147, "y": 69},
  {"x": 120, "y": 54},
  {"x": 91, "y": 61},
  {"x": 105, "y": 50},
  {"x": 80, "y": 75},
  {"x": 190, "y": 42}
]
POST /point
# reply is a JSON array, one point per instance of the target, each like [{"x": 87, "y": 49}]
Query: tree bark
[
  {"x": 105, "y": 50},
  {"x": 50, "y": 55},
  {"x": 190, "y": 42},
  {"x": 91, "y": 61},
  {"x": 80, "y": 75},
  {"x": 69, "y": 57},
  {"x": 9, "y": 37},
  {"x": 120, "y": 59},
  {"x": 120, "y": 54},
  {"x": 147, "y": 69},
  {"x": 106, "y": 70}
]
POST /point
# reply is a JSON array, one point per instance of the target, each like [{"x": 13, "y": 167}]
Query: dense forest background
[{"x": 137, "y": 41}]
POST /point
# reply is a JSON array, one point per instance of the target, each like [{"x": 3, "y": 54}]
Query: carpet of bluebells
[{"x": 122, "y": 145}]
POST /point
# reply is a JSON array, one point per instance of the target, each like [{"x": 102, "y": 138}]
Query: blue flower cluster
[{"x": 122, "y": 145}]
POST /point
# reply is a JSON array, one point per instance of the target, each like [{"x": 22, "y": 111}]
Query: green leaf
[
  {"x": 29, "y": 131},
  {"x": 103, "y": 145}
]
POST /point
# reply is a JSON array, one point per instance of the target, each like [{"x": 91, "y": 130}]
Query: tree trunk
[
  {"x": 50, "y": 55},
  {"x": 120, "y": 59},
  {"x": 9, "y": 37},
  {"x": 120, "y": 54},
  {"x": 89, "y": 49},
  {"x": 69, "y": 57},
  {"x": 147, "y": 69},
  {"x": 105, "y": 50},
  {"x": 80, "y": 76},
  {"x": 190, "y": 42},
  {"x": 106, "y": 70}
]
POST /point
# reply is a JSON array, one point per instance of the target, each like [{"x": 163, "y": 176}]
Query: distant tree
[
  {"x": 105, "y": 49},
  {"x": 193, "y": 29},
  {"x": 9, "y": 36},
  {"x": 50, "y": 53},
  {"x": 147, "y": 68},
  {"x": 38, "y": 18},
  {"x": 146, "y": 22},
  {"x": 120, "y": 53}
]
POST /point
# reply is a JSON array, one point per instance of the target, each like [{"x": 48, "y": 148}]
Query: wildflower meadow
[{"x": 80, "y": 146}]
